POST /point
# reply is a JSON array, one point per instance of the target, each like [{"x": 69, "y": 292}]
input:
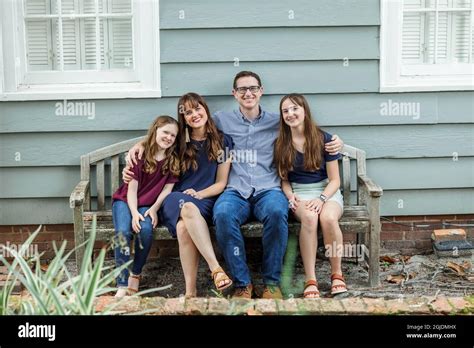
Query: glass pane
[{"x": 70, "y": 44}]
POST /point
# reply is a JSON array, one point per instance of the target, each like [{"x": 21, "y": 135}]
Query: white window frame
[
  {"x": 396, "y": 77},
  {"x": 16, "y": 83}
]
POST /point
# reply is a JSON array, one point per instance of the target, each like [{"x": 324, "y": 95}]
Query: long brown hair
[
  {"x": 171, "y": 162},
  {"x": 188, "y": 151},
  {"x": 285, "y": 152}
]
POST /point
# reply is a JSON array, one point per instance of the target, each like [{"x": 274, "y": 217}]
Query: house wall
[{"x": 329, "y": 51}]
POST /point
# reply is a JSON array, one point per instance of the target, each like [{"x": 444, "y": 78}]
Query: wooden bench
[{"x": 361, "y": 218}]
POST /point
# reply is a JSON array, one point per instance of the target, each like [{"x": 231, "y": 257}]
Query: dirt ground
[{"x": 409, "y": 276}]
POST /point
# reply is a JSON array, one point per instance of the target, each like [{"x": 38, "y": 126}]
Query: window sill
[{"x": 81, "y": 91}]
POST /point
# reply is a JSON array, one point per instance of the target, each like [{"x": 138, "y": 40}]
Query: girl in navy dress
[
  {"x": 136, "y": 203},
  {"x": 187, "y": 211},
  {"x": 310, "y": 181},
  {"x": 204, "y": 172}
]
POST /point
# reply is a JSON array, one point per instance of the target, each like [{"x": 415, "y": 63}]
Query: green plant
[{"x": 55, "y": 290}]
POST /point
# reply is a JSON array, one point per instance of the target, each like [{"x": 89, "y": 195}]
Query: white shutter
[
  {"x": 412, "y": 38},
  {"x": 71, "y": 36},
  {"x": 120, "y": 36},
  {"x": 443, "y": 35},
  {"x": 89, "y": 38},
  {"x": 461, "y": 22},
  {"x": 38, "y": 36}
]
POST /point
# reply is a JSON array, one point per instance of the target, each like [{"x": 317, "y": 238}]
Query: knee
[
  {"x": 278, "y": 213},
  {"x": 309, "y": 219},
  {"x": 223, "y": 216},
  {"x": 189, "y": 210},
  {"x": 182, "y": 233},
  {"x": 146, "y": 230},
  {"x": 329, "y": 219}
]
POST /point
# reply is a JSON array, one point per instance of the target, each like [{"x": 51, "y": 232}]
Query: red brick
[
  {"x": 6, "y": 229},
  {"x": 349, "y": 237},
  {"x": 417, "y": 235},
  {"x": 449, "y": 234},
  {"x": 28, "y": 228},
  {"x": 60, "y": 228},
  {"x": 398, "y": 244},
  {"x": 11, "y": 237},
  {"x": 465, "y": 217},
  {"x": 392, "y": 235},
  {"x": 391, "y": 218},
  {"x": 68, "y": 235},
  {"x": 410, "y": 218},
  {"x": 390, "y": 226},
  {"x": 47, "y": 236},
  {"x": 423, "y": 244},
  {"x": 440, "y": 217}
]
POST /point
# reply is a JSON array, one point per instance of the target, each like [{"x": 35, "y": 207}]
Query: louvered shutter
[
  {"x": 89, "y": 38},
  {"x": 120, "y": 36},
  {"x": 71, "y": 36},
  {"x": 39, "y": 51}
]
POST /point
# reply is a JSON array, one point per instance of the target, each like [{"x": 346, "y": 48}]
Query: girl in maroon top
[{"x": 135, "y": 205}]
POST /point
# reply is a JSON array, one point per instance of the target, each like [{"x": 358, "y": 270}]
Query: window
[
  {"x": 427, "y": 45},
  {"x": 78, "y": 49}
]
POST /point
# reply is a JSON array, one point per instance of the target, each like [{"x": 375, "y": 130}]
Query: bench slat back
[{"x": 98, "y": 158}]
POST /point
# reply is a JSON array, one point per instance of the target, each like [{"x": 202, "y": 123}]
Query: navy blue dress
[{"x": 200, "y": 179}]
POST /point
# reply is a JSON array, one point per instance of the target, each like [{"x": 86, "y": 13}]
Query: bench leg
[
  {"x": 374, "y": 240},
  {"x": 78, "y": 236}
]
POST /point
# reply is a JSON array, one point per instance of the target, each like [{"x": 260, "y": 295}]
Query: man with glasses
[{"x": 253, "y": 189}]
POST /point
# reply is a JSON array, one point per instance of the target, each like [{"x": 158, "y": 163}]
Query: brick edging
[{"x": 348, "y": 306}]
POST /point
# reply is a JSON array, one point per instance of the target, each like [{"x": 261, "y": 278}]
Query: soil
[{"x": 415, "y": 275}]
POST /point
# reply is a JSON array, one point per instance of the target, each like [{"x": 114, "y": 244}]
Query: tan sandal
[
  {"x": 130, "y": 290},
  {"x": 311, "y": 293},
  {"x": 339, "y": 288},
  {"x": 222, "y": 278}
]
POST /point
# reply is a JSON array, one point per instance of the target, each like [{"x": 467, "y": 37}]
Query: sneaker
[
  {"x": 243, "y": 292},
  {"x": 272, "y": 292}
]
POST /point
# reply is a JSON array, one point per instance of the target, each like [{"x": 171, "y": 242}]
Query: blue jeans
[
  {"x": 232, "y": 210},
  {"x": 122, "y": 219}
]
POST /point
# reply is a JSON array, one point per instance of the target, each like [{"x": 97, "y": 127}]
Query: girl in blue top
[{"x": 310, "y": 181}]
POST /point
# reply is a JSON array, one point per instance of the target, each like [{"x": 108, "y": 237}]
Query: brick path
[{"x": 353, "y": 306}]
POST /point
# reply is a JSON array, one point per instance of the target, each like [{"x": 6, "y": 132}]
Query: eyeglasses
[{"x": 243, "y": 90}]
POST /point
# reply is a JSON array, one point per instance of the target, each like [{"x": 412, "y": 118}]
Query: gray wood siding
[{"x": 410, "y": 156}]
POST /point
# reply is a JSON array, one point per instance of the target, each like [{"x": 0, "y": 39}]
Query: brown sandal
[
  {"x": 130, "y": 290},
  {"x": 218, "y": 279},
  {"x": 339, "y": 288},
  {"x": 311, "y": 293}
]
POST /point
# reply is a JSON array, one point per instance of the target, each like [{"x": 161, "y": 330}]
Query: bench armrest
[
  {"x": 79, "y": 194},
  {"x": 372, "y": 188}
]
